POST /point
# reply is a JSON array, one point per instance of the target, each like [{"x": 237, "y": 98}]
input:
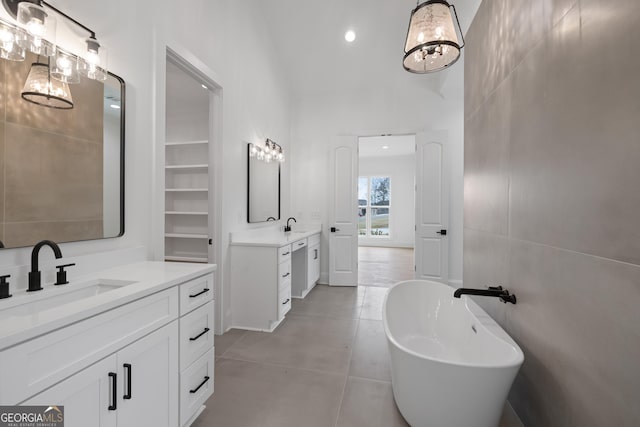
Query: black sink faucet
[
  {"x": 497, "y": 291},
  {"x": 288, "y": 227},
  {"x": 35, "y": 282}
]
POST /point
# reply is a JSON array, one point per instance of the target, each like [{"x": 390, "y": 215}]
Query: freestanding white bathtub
[{"x": 451, "y": 364}]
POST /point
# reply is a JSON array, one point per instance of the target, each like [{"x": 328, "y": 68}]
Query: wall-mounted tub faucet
[
  {"x": 492, "y": 291},
  {"x": 35, "y": 276},
  {"x": 288, "y": 227}
]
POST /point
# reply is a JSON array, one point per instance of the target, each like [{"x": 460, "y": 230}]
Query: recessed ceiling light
[
  {"x": 115, "y": 106},
  {"x": 349, "y": 36},
  {"x": 385, "y": 147},
  {"x": 204, "y": 87}
]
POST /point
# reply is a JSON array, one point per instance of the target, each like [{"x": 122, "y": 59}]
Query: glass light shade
[
  {"x": 94, "y": 64},
  {"x": 64, "y": 67},
  {"x": 432, "y": 42},
  {"x": 40, "y": 29},
  {"x": 41, "y": 89},
  {"x": 9, "y": 47}
]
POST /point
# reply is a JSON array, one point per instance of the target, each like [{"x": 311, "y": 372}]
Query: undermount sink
[{"x": 52, "y": 297}]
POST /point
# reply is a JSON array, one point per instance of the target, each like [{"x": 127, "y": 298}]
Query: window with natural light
[{"x": 374, "y": 194}]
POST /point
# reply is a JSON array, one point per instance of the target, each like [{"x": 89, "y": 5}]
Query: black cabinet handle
[
  {"x": 114, "y": 391},
  {"x": 286, "y": 275},
  {"x": 301, "y": 244},
  {"x": 204, "y": 291},
  {"x": 285, "y": 303},
  {"x": 286, "y": 253},
  {"x": 315, "y": 256},
  {"x": 199, "y": 335},
  {"x": 195, "y": 390},
  {"x": 127, "y": 367}
]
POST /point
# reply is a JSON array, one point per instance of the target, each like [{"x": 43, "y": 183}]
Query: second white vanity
[{"x": 268, "y": 268}]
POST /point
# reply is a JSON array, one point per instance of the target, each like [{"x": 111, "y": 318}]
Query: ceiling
[
  {"x": 397, "y": 145},
  {"x": 309, "y": 39}
]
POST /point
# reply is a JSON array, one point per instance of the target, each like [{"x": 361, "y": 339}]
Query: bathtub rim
[{"x": 483, "y": 319}]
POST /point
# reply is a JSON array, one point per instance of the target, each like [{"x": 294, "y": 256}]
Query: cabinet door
[
  {"x": 86, "y": 396},
  {"x": 148, "y": 380},
  {"x": 313, "y": 265}
]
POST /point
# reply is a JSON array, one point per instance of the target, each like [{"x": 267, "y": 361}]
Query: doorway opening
[{"x": 386, "y": 209}]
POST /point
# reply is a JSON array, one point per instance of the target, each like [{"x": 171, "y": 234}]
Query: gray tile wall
[
  {"x": 552, "y": 205},
  {"x": 51, "y": 163}
]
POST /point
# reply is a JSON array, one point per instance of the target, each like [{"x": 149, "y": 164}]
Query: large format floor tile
[
  {"x": 369, "y": 403},
  {"x": 250, "y": 394},
  {"x": 370, "y": 354}
]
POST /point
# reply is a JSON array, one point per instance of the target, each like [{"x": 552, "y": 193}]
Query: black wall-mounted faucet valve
[
  {"x": 61, "y": 275},
  {"x": 4, "y": 287}
]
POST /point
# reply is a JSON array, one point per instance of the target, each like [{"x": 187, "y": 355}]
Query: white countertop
[
  {"x": 276, "y": 240},
  {"x": 149, "y": 277}
]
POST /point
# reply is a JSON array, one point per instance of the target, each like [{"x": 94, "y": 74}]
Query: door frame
[
  {"x": 166, "y": 50},
  {"x": 441, "y": 136}
]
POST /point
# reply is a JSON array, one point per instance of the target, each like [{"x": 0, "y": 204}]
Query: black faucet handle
[
  {"x": 61, "y": 275},
  {"x": 494, "y": 288},
  {"x": 4, "y": 287}
]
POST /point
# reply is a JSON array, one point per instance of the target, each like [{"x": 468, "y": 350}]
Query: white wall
[
  {"x": 232, "y": 40},
  {"x": 398, "y": 107},
  {"x": 401, "y": 170}
]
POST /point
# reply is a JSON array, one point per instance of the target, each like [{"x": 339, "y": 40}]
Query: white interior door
[
  {"x": 432, "y": 211},
  {"x": 343, "y": 233}
]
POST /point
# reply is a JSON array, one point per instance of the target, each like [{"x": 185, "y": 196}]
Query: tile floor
[
  {"x": 326, "y": 366},
  {"x": 384, "y": 266}
]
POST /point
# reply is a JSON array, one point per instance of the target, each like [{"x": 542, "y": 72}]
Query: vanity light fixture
[
  {"x": 36, "y": 31},
  {"x": 43, "y": 90},
  {"x": 432, "y": 41},
  {"x": 267, "y": 152}
]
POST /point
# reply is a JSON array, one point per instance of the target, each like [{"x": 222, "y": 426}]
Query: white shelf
[
  {"x": 186, "y": 236},
  {"x": 186, "y": 213},
  {"x": 185, "y": 190},
  {"x": 186, "y": 167},
  {"x": 186, "y": 258},
  {"x": 179, "y": 143}
]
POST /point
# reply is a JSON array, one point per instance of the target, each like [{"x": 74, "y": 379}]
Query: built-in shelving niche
[{"x": 187, "y": 176}]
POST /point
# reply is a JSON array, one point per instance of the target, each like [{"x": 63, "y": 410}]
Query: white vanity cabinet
[
  {"x": 125, "y": 388},
  {"x": 261, "y": 286},
  {"x": 146, "y": 362},
  {"x": 266, "y": 273}
]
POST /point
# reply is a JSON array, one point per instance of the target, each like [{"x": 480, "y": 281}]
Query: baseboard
[{"x": 324, "y": 279}]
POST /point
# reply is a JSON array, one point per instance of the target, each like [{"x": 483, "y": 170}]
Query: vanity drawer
[
  {"x": 284, "y": 253},
  {"x": 196, "y": 386},
  {"x": 313, "y": 240},
  {"x": 299, "y": 244},
  {"x": 284, "y": 272},
  {"x": 195, "y": 293},
  {"x": 196, "y": 334},
  {"x": 284, "y": 300}
]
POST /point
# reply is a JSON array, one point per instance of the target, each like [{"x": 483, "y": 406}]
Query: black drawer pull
[
  {"x": 286, "y": 275},
  {"x": 199, "y": 335},
  {"x": 285, "y": 303},
  {"x": 301, "y": 244},
  {"x": 195, "y": 390},
  {"x": 204, "y": 291},
  {"x": 286, "y": 253},
  {"x": 114, "y": 391},
  {"x": 315, "y": 256},
  {"x": 127, "y": 396}
]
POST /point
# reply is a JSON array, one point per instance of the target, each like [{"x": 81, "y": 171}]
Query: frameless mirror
[
  {"x": 61, "y": 170},
  {"x": 263, "y": 202}
]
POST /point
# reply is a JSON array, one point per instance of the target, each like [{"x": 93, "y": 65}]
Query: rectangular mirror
[
  {"x": 61, "y": 170},
  {"x": 263, "y": 203}
]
